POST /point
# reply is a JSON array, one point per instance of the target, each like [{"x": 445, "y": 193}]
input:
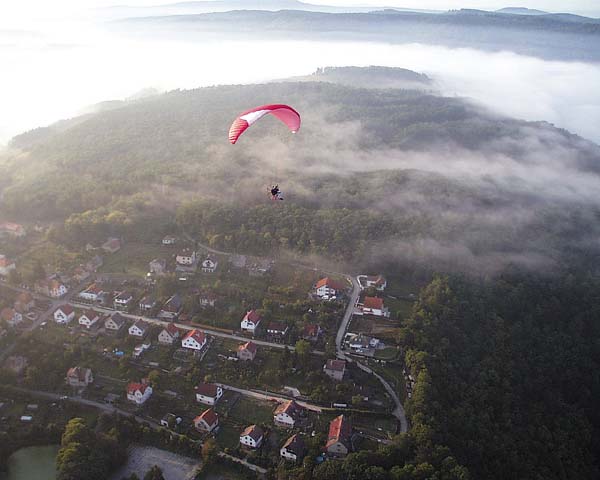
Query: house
[
  {"x": 194, "y": 339},
  {"x": 91, "y": 293},
  {"x": 374, "y": 306},
  {"x": 158, "y": 266},
  {"x": 277, "y": 329},
  {"x": 250, "y": 321},
  {"x": 207, "y": 421},
  {"x": 89, "y": 318},
  {"x": 247, "y": 351},
  {"x": 311, "y": 332},
  {"x": 147, "y": 303},
  {"x": 12, "y": 229},
  {"x": 207, "y": 298},
  {"x": 209, "y": 265},
  {"x": 286, "y": 414},
  {"x": 208, "y": 393},
  {"x": 169, "y": 240},
  {"x": 252, "y": 436},
  {"x": 171, "y": 309},
  {"x": 11, "y": 317},
  {"x": 6, "y": 265},
  {"x": 79, "y": 377},
  {"x": 139, "y": 329},
  {"x": 294, "y": 448},
  {"x": 139, "y": 349},
  {"x": 335, "y": 369},
  {"x": 186, "y": 257},
  {"x": 339, "y": 438},
  {"x": 138, "y": 392},
  {"x": 16, "y": 364},
  {"x": 51, "y": 287},
  {"x": 64, "y": 314},
  {"x": 123, "y": 300},
  {"x": 112, "y": 245},
  {"x": 24, "y": 302},
  {"x": 170, "y": 420},
  {"x": 115, "y": 323},
  {"x": 376, "y": 281},
  {"x": 326, "y": 288},
  {"x": 168, "y": 335},
  {"x": 361, "y": 342}
]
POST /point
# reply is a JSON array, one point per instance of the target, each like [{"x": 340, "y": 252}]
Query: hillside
[
  {"x": 423, "y": 178},
  {"x": 551, "y": 36}
]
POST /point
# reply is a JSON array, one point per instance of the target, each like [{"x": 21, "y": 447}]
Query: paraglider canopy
[{"x": 285, "y": 113}]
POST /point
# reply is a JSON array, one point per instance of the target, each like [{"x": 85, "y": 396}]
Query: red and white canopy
[{"x": 285, "y": 113}]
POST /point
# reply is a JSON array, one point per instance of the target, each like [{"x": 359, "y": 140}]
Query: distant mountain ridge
[
  {"x": 549, "y": 36},
  {"x": 521, "y": 11}
]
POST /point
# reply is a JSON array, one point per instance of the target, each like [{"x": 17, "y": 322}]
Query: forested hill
[
  {"x": 551, "y": 36},
  {"x": 373, "y": 175}
]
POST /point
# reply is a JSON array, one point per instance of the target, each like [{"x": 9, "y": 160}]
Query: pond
[{"x": 30, "y": 463}]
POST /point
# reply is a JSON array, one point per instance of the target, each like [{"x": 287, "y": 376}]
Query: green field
[{"x": 133, "y": 258}]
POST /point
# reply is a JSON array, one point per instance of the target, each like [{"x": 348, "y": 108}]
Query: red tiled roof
[
  {"x": 338, "y": 365},
  {"x": 209, "y": 416},
  {"x": 253, "y": 432},
  {"x": 134, "y": 386},
  {"x": 66, "y": 309},
  {"x": 373, "y": 302},
  {"x": 252, "y": 316},
  {"x": 290, "y": 407},
  {"x": 340, "y": 430},
  {"x": 207, "y": 389},
  {"x": 329, "y": 283},
  {"x": 172, "y": 329},
  {"x": 196, "y": 335},
  {"x": 250, "y": 346},
  {"x": 91, "y": 314},
  {"x": 7, "y": 313},
  {"x": 311, "y": 330}
]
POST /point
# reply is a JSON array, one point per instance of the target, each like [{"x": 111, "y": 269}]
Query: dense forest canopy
[{"x": 418, "y": 176}]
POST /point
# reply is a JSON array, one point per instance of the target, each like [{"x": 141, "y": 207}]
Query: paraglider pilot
[{"x": 276, "y": 193}]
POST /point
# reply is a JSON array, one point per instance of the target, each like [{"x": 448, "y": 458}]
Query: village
[{"x": 273, "y": 361}]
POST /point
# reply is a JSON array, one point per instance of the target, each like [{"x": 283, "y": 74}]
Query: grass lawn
[
  {"x": 388, "y": 353},
  {"x": 133, "y": 258},
  {"x": 249, "y": 411}
]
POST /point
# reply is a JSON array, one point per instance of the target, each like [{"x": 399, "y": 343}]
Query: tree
[
  {"x": 155, "y": 473},
  {"x": 210, "y": 451}
]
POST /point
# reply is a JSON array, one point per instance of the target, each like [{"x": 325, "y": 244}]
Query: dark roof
[
  {"x": 253, "y": 432},
  {"x": 207, "y": 389}
]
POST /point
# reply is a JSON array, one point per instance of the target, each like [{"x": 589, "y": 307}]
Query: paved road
[
  {"x": 269, "y": 397},
  {"x": 398, "y": 412},
  {"x": 112, "y": 409},
  {"x": 164, "y": 323}
]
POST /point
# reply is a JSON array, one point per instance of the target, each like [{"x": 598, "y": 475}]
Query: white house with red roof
[
  {"x": 311, "y": 332},
  {"x": 250, "y": 321},
  {"x": 91, "y": 293},
  {"x": 64, "y": 314},
  {"x": 89, "y": 318},
  {"x": 208, "y": 393},
  {"x": 207, "y": 421},
  {"x": 376, "y": 281},
  {"x": 247, "y": 351},
  {"x": 327, "y": 288},
  {"x": 194, "y": 339},
  {"x": 168, "y": 335},
  {"x": 339, "y": 442},
  {"x": 374, "y": 306},
  {"x": 286, "y": 414},
  {"x": 6, "y": 265},
  {"x": 138, "y": 393},
  {"x": 252, "y": 436},
  {"x": 11, "y": 317}
]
